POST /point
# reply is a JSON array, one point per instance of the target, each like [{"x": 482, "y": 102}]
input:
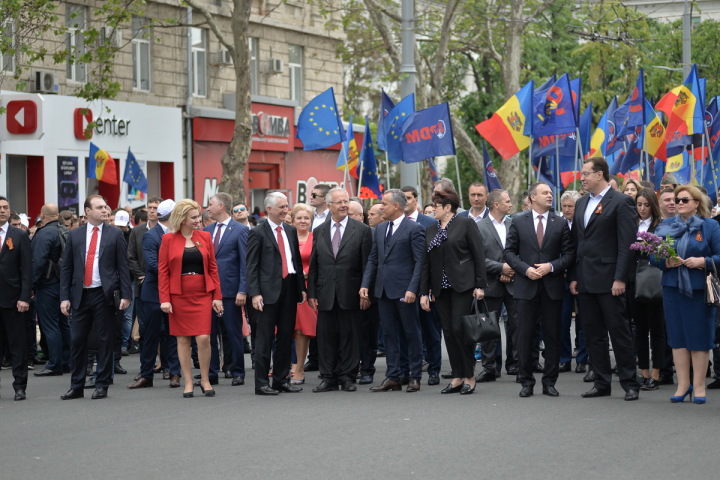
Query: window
[
  {"x": 141, "y": 54},
  {"x": 295, "y": 67},
  {"x": 253, "y": 65},
  {"x": 75, "y": 21},
  {"x": 199, "y": 57},
  {"x": 7, "y": 63}
]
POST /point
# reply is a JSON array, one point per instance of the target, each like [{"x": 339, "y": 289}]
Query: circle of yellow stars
[
  {"x": 397, "y": 117},
  {"x": 320, "y": 129}
]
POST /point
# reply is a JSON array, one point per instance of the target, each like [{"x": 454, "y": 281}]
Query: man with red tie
[{"x": 94, "y": 276}]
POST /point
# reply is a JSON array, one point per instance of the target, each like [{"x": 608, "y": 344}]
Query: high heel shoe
[
  {"x": 699, "y": 400},
  {"x": 680, "y": 399},
  {"x": 189, "y": 394},
  {"x": 208, "y": 393},
  {"x": 451, "y": 389}
]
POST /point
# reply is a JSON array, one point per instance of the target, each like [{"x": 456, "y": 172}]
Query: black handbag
[
  {"x": 647, "y": 283},
  {"x": 480, "y": 327},
  {"x": 712, "y": 287}
]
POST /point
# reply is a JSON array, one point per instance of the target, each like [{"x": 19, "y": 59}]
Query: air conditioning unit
[
  {"x": 113, "y": 35},
  {"x": 275, "y": 65},
  {"x": 45, "y": 82},
  {"x": 223, "y": 57}
]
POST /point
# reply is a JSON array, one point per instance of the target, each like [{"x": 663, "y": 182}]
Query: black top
[{"x": 192, "y": 261}]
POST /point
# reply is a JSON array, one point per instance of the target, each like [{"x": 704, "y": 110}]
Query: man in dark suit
[
  {"x": 501, "y": 278},
  {"x": 15, "y": 293},
  {"x": 156, "y": 327},
  {"x": 371, "y": 319},
  {"x": 478, "y": 194},
  {"x": 604, "y": 228},
  {"x": 539, "y": 248},
  {"x": 340, "y": 251},
  {"x": 230, "y": 243},
  {"x": 394, "y": 266},
  {"x": 276, "y": 285},
  {"x": 94, "y": 273}
]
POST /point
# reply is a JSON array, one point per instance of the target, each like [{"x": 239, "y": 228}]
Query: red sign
[
  {"x": 82, "y": 118},
  {"x": 21, "y": 117}
]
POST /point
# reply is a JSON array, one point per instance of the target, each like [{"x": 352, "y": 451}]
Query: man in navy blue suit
[
  {"x": 478, "y": 194},
  {"x": 230, "y": 243},
  {"x": 394, "y": 267},
  {"x": 94, "y": 273},
  {"x": 156, "y": 328}
]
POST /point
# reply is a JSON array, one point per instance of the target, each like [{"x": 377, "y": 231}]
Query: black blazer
[
  {"x": 638, "y": 256},
  {"x": 16, "y": 269},
  {"x": 341, "y": 277},
  {"x": 151, "y": 242},
  {"x": 264, "y": 264},
  {"x": 603, "y": 247},
  {"x": 462, "y": 256},
  {"x": 522, "y": 251},
  {"x": 112, "y": 264},
  {"x": 135, "y": 255}
]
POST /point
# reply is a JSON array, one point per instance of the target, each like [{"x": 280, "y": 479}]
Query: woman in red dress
[
  {"x": 306, "y": 319},
  {"x": 189, "y": 286}
]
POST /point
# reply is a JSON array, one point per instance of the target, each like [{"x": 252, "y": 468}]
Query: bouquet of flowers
[{"x": 651, "y": 244}]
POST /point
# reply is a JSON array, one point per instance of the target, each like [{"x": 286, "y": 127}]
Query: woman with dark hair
[
  {"x": 649, "y": 317},
  {"x": 453, "y": 271}
]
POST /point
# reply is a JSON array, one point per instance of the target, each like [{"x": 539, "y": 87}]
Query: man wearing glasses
[
  {"x": 318, "y": 200},
  {"x": 240, "y": 214}
]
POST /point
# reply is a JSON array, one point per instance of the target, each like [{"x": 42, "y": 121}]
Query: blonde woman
[
  {"x": 631, "y": 188},
  {"x": 189, "y": 285}
]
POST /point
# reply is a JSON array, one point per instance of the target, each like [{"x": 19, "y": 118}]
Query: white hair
[
  {"x": 570, "y": 194},
  {"x": 272, "y": 198},
  {"x": 336, "y": 189}
]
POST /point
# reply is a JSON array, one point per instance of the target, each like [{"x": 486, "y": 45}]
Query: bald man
[
  {"x": 375, "y": 215},
  {"x": 357, "y": 212},
  {"x": 46, "y": 250}
]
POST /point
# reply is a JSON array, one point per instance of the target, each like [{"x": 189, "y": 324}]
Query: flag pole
[
  {"x": 346, "y": 176},
  {"x": 530, "y": 164},
  {"x": 647, "y": 156},
  {"x": 556, "y": 174},
  {"x": 418, "y": 179},
  {"x": 692, "y": 162},
  {"x": 387, "y": 170},
  {"x": 457, "y": 169},
  {"x": 578, "y": 146},
  {"x": 702, "y": 164},
  {"x": 712, "y": 163}
]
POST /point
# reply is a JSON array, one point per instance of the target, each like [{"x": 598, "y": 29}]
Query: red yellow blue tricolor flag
[
  {"x": 101, "y": 166},
  {"x": 504, "y": 130}
]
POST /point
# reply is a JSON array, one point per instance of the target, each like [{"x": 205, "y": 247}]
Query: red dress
[
  {"x": 191, "y": 296},
  {"x": 306, "y": 319}
]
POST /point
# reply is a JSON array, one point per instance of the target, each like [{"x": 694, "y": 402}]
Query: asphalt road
[{"x": 156, "y": 434}]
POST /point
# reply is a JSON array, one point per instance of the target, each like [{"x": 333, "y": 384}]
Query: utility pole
[
  {"x": 687, "y": 28},
  {"x": 408, "y": 171}
]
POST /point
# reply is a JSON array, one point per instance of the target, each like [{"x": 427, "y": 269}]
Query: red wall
[{"x": 35, "y": 187}]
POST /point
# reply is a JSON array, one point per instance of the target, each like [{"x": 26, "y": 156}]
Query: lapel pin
[
  {"x": 599, "y": 208},
  {"x": 698, "y": 237}
]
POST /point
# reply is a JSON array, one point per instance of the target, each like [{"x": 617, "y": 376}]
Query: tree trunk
[{"x": 426, "y": 185}]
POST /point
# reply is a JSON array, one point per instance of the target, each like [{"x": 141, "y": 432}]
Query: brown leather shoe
[
  {"x": 387, "y": 385},
  {"x": 413, "y": 386},
  {"x": 141, "y": 383},
  {"x": 166, "y": 375},
  {"x": 175, "y": 381}
]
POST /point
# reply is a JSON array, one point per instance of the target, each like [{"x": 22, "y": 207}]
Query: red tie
[
  {"x": 281, "y": 246},
  {"x": 91, "y": 258}
]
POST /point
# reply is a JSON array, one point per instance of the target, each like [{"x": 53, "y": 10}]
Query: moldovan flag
[
  {"x": 604, "y": 133},
  {"x": 688, "y": 113},
  {"x": 504, "y": 130},
  {"x": 101, "y": 166},
  {"x": 667, "y": 103}
]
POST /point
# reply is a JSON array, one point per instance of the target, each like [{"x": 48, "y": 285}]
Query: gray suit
[{"x": 498, "y": 293}]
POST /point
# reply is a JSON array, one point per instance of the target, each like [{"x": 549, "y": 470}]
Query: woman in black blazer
[
  {"x": 649, "y": 318},
  {"x": 453, "y": 271}
]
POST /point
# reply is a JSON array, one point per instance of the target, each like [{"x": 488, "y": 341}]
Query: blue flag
[
  {"x": 630, "y": 160},
  {"x": 619, "y": 117},
  {"x": 585, "y": 130},
  {"x": 427, "y": 133},
  {"x": 491, "y": 180},
  {"x": 392, "y": 128},
  {"x": 433, "y": 171},
  {"x": 134, "y": 175},
  {"x": 386, "y": 105},
  {"x": 575, "y": 88},
  {"x": 635, "y": 114},
  {"x": 558, "y": 110},
  {"x": 657, "y": 172},
  {"x": 369, "y": 167},
  {"x": 538, "y": 96},
  {"x": 319, "y": 125}
]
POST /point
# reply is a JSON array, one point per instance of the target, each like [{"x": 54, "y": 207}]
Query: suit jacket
[
  {"x": 46, "y": 247},
  {"x": 495, "y": 257},
  {"x": 466, "y": 213},
  {"x": 151, "y": 242},
  {"x": 135, "y": 255},
  {"x": 340, "y": 277},
  {"x": 112, "y": 265},
  {"x": 522, "y": 251},
  {"x": 396, "y": 270},
  {"x": 230, "y": 257},
  {"x": 425, "y": 221},
  {"x": 16, "y": 267},
  {"x": 170, "y": 260},
  {"x": 603, "y": 247},
  {"x": 264, "y": 263},
  {"x": 461, "y": 255}
]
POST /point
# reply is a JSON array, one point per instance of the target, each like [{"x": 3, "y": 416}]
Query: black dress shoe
[
  {"x": 89, "y": 383},
  {"x": 580, "y": 368},
  {"x": 38, "y": 361},
  {"x": 526, "y": 392},
  {"x": 287, "y": 388},
  {"x": 594, "y": 393},
  {"x": 20, "y": 395},
  {"x": 668, "y": 380},
  {"x": 266, "y": 391},
  {"x": 99, "y": 393},
  {"x": 631, "y": 395},
  {"x": 366, "y": 380},
  {"x": 72, "y": 394},
  {"x": 590, "y": 377},
  {"x": 326, "y": 386},
  {"x": 467, "y": 390},
  {"x": 47, "y": 373},
  {"x": 649, "y": 384},
  {"x": 485, "y": 376},
  {"x": 349, "y": 386},
  {"x": 451, "y": 389},
  {"x": 119, "y": 369},
  {"x": 447, "y": 375},
  {"x": 404, "y": 379},
  {"x": 434, "y": 379},
  {"x": 238, "y": 381},
  {"x": 513, "y": 370},
  {"x": 565, "y": 367},
  {"x": 498, "y": 373},
  {"x": 714, "y": 385},
  {"x": 381, "y": 353},
  {"x": 311, "y": 367},
  {"x": 550, "y": 391},
  {"x": 538, "y": 369},
  {"x": 213, "y": 381},
  {"x": 228, "y": 375}
]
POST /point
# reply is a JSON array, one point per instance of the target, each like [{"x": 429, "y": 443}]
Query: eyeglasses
[
  {"x": 315, "y": 195},
  {"x": 584, "y": 174},
  {"x": 241, "y": 209},
  {"x": 683, "y": 200},
  {"x": 340, "y": 202}
]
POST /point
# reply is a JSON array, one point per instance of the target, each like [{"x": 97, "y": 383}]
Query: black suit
[
  {"x": 335, "y": 282},
  {"x": 15, "y": 286},
  {"x": 280, "y": 295},
  {"x": 604, "y": 256},
  {"x": 94, "y": 306},
  {"x": 543, "y": 297}
]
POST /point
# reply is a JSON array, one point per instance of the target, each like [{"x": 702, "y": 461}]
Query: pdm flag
[
  {"x": 319, "y": 125},
  {"x": 427, "y": 133},
  {"x": 504, "y": 130},
  {"x": 101, "y": 166},
  {"x": 491, "y": 180},
  {"x": 558, "y": 110}
]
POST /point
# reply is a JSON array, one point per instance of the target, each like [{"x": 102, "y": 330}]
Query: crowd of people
[{"x": 330, "y": 286}]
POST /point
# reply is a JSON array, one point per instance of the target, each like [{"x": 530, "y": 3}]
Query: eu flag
[
  {"x": 319, "y": 125},
  {"x": 427, "y": 133},
  {"x": 392, "y": 127},
  {"x": 134, "y": 176},
  {"x": 491, "y": 180},
  {"x": 369, "y": 173},
  {"x": 386, "y": 105}
]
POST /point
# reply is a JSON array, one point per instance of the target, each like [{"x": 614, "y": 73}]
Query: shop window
[
  {"x": 141, "y": 54},
  {"x": 253, "y": 65},
  {"x": 296, "y": 73},
  {"x": 7, "y": 60},
  {"x": 199, "y": 57},
  {"x": 75, "y": 20}
]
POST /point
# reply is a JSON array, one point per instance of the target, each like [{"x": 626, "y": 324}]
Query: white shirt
[
  {"x": 593, "y": 202},
  {"x": 414, "y": 216},
  {"x": 333, "y": 227},
  {"x": 569, "y": 224},
  {"x": 501, "y": 229},
  {"x": 318, "y": 219},
  {"x": 479, "y": 217},
  {"x": 644, "y": 225},
  {"x": 3, "y": 234},
  {"x": 222, "y": 232},
  {"x": 396, "y": 223},
  {"x": 88, "y": 238},
  {"x": 288, "y": 250},
  {"x": 164, "y": 228}
]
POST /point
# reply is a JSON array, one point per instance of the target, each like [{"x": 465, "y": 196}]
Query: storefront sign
[
  {"x": 68, "y": 192},
  {"x": 304, "y": 188}
]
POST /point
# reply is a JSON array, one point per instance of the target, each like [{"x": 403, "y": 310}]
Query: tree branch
[
  {"x": 213, "y": 26},
  {"x": 437, "y": 75},
  {"x": 385, "y": 32}
]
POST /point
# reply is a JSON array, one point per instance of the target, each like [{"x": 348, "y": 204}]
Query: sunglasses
[
  {"x": 683, "y": 200},
  {"x": 241, "y": 209},
  {"x": 315, "y": 195}
]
